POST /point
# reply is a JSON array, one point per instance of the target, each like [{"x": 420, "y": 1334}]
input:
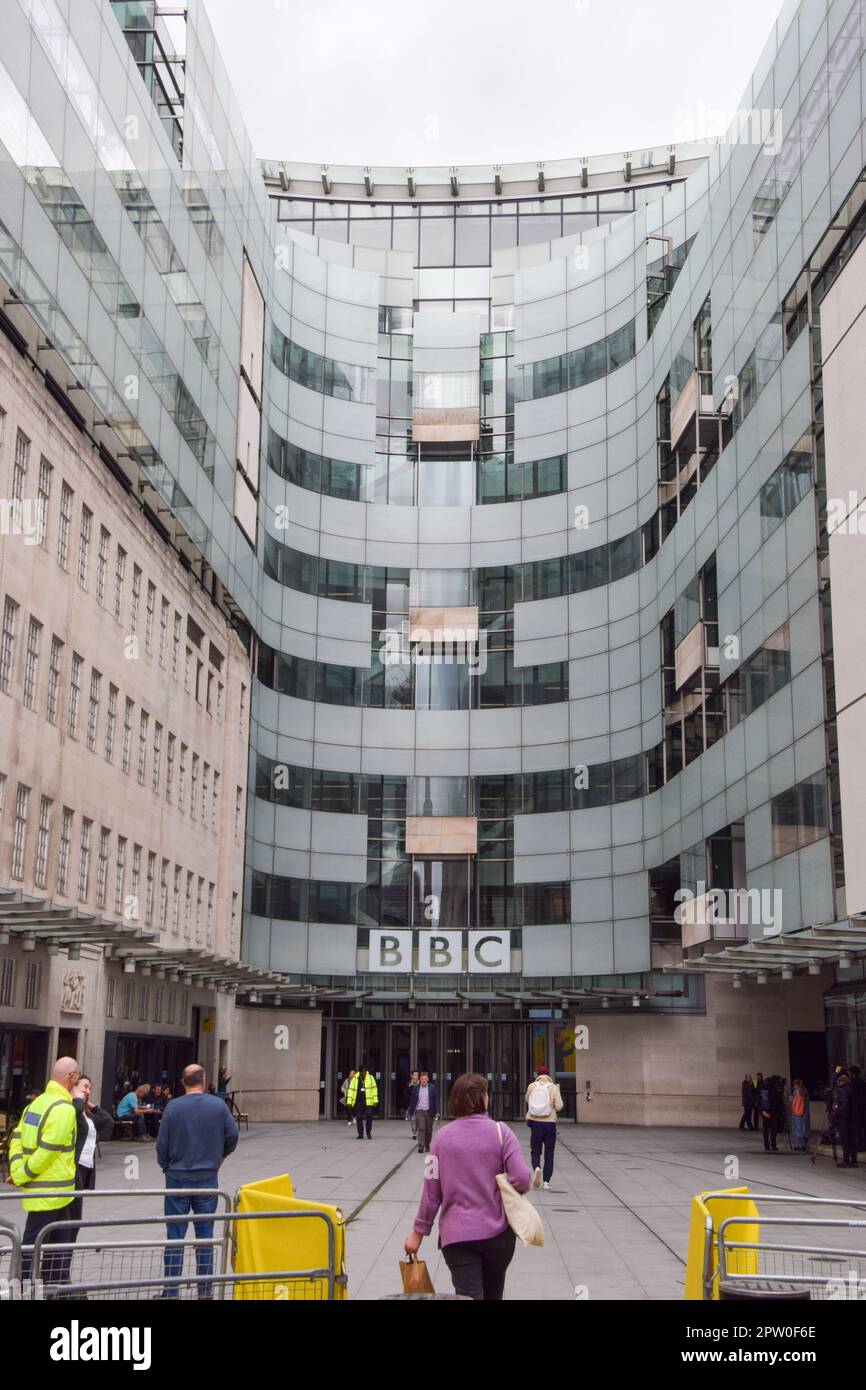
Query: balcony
[
  {"x": 693, "y": 421},
  {"x": 720, "y": 914}
]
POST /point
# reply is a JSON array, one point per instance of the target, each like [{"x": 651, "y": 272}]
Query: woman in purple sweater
[{"x": 460, "y": 1184}]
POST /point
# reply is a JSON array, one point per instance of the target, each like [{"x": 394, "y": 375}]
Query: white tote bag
[{"x": 520, "y": 1214}]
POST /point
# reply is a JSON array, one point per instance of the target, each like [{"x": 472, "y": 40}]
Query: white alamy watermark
[
  {"x": 23, "y": 516},
  {"x": 751, "y": 125},
  {"x": 445, "y": 646},
  {"x": 77, "y": 1343},
  {"x": 730, "y": 906},
  {"x": 846, "y": 517}
]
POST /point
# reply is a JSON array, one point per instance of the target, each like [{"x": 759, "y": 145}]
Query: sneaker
[
  {"x": 536, "y": 1178},
  {"x": 546, "y": 1186}
]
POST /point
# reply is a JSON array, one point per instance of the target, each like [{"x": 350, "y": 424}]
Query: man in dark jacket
[
  {"x": 756, "y": 1112},
  {"x": 747, "y": 1099},
  {"x": 843, "y": 1119},
  {"x": 424, "y": 1107},
  {"x": 196, "y": 1134},
  {"x": 768, "y": 1107}
]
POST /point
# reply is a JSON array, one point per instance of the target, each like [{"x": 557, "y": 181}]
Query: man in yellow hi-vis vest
[
  {"x": 362, "y": 1096},
  {"x": 42, "y": 1160}
]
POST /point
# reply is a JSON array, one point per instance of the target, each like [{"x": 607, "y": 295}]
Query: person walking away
[
  {"x": 362, "y": 1096},
  {"x": 424, "y": 1110},
  {"x": 196, "y": 1135},
  {"x": 42, "y": 1160},
  {"x": 747, "y": 1100},
  {"x": 843, "y": 1119},
  {"x": 543, "y": 1102},
  {"x": 756, "y": 1113},
  {"x": 413, "y": 1081},
  {"x": 766, "y": 1104},
  {"x": 460, "y": 1185},
  {"x": 800, "y": 1117},
  {"x": 132, "y": 1107},
  {"x": 343, "y": 1092}
]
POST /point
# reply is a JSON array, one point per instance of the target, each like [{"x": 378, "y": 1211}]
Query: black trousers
[
  {"x": 55, "y": 1267},
  {"x": 362, "y": 1118},
  {"x": 746, "y": 1121},
  {"x": 848, "y": 1136},
  {"x": 478, "y": 1267},
  {"x": 769, "y": 1127},
  {"x": 542, "y": 1136}
]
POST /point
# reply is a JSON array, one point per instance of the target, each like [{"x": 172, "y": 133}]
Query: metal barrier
[
  {"x": 823, "y": 1272},
  {"x": 10, "y": 1260},
  {"x": 117, "y": 1265}
]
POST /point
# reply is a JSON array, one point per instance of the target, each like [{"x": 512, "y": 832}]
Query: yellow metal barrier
[
  {"x": 707, "y": 1216},
  {"x": 263, "y": 1247}
]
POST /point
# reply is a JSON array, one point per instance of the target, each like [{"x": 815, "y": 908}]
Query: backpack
[
  {"x": 798, "y": 1105},
  {"x": 539, "y": 1101}
]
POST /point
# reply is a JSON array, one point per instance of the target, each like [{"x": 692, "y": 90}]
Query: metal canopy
[{"x": 822, "y": 944}]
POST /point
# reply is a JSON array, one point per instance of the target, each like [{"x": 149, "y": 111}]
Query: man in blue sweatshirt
[{"x": 197, "y": 1132}]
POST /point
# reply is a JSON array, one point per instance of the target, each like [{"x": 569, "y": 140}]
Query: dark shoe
[{"x": 369, "y": 1136}]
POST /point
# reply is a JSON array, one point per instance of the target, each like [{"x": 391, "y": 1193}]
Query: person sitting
[{"x": 132, "y": 1107}]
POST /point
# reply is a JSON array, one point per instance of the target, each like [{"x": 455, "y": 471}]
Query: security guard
[
  {"x": 42, "y": 1159},
  {"x": 362, "y": 1096}
]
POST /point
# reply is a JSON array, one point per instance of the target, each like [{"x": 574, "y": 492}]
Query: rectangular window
[
  {"x": 157, "y": 1003},
  {"x": 144, "y": 722},
  {"x": 19, "y": 835},
  {"x": 242, "y": 717},
  {"x": 187, "y": 906},
  {"x": 163, "y": 895},
  {"x": 169, "y": 766},
  {"x": 175, "y": 902},
  {"x": 157, "y": 757},
  {"x": 45, "y": 471},
  {"x": 7, "y": 982},
  {"x": 150, "y": 607},
  {"x": 135, "y": 598},
  {"x": 74, "y": 695},
  {"x": 150, "y": 888},
  {"x": 43, "y": 841},
  {"x": 128, "y": 988},
  {"x": 102, "y": 866},
  {"x": 205, "y": 790},
  {"x": 110, "y": 995},
  {"x": 126, "y": 750},
  {"x": 193, "y": 795},
  {"x": 54, "y": 672},
  {"x": 102, "y": 565},
  {"x": 84, "y": 544},
  {"x": 163, "y": 631},
  {"x": 799, "y": 815},
  {"x": 219, "y": 702},
  {"x": 238, "y": 806},
  {"x": 209, "y": 927},
  {"x": 31, "y": 664},
  {"x": 120, "y": 875},
  {"x": 32, "y": 984},
  {"x": 66, "y": 498},
  {"x": 93, "y": 708},
  {"x": 169, "y": 1006},
  {"x": 175, "y": 644},
  {"x": 216, "y": 797},
  {"x": 20, "y": 466},
  {"x": 133, "y": 906},
  {"x": 143, "y": 1001},
  {"x": 7, "y": 643},
  {"x": 65, "y": 851},
  {"x": 187, "y": 669},
  {"x": 181, "y": 779},
  {"x": 110, "y": 722},
  {"x": 199, "y": 897},
  {"x": 119, "y": 573},
  {"x": 84, "y": 860},
  {"x": 233, "y": 941}
]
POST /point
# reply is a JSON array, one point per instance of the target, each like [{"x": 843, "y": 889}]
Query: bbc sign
[{"x": 441, "y": 952}]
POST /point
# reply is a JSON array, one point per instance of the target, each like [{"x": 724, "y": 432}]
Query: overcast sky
[{"x": 484, "y": 81}]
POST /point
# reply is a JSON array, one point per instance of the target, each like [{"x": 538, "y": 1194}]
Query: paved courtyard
[{"x": 616, "y": 1218}]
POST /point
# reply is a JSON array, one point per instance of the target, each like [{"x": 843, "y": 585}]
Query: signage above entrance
[{"x": 440, "y": 952}]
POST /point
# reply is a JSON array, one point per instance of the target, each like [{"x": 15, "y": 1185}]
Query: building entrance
[{"x": 506, "y": 1053}]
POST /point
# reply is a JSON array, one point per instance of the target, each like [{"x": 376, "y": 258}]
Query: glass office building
[{"x": 513, "y": 483}]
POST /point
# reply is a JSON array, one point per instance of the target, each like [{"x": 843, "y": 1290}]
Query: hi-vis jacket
[
  {"x": 371, "y": 1091},
  {"x": 42, "y": 1149}
]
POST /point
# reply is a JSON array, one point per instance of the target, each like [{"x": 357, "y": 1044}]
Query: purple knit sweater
[{"x": 460, "y": 1180}]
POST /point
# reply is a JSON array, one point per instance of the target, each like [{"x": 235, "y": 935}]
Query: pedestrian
[
  {"x": 132, "y": 1107},
  {"x": 801, "y": 1124},
  {"x": 93, "y": 1124},
  {"x": 747, "y": 1099},
  {"x": 197, "y": 1133},
  {"x": 858, "y": 1099},
  {"x": 756, "y": 1112},
  {"x": 543, "y": 1102},
  {"x": 222, "y": 1085},
  {"x": 460, "y": 1185},
  {"x": 767, "y": 1108},
  {"x": 362, "y": 1097},
  {"x": 42, "y": 1159},
  {"x": 343, "y": 1091},
  {"x": 424, "y": 1110},
  {"x": 843, "y": 1119},
  {"x": 413, "y": 1081}
]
